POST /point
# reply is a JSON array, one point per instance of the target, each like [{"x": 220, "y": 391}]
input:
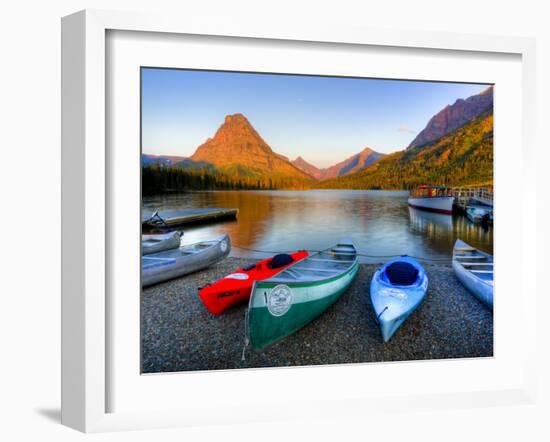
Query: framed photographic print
[{"x": 261, "y": 220}]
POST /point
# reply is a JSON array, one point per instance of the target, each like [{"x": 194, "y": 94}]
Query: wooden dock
[
  {"x": 465, "y": 196},
  {"x": 175, "y": 218}
]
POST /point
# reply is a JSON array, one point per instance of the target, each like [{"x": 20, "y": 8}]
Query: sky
[{"x": 323, "y": 119}]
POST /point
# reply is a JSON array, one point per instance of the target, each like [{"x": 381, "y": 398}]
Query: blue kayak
[{"x": 396, "y": 290}]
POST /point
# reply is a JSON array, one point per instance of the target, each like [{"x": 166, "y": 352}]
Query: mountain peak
[
  {"x": 237, "y": 146},
  {"x": 236, "y": 119},
  {"x": 356, "y": 162},
  {"x": 487, "y": 91},
  {"x": 367, "y": 150},
  {"x": 452, "y": 117}
]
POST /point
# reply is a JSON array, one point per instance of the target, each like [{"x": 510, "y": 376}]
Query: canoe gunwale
[
  {"x": 353, "y": 267},
  {"x": 482, "y": 289},
  {"x": 180, "y": 265}
]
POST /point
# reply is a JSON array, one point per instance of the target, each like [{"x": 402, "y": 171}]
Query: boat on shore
[
  {"x": 396, "y": 291},
  {"x": 436, "y": 199},
  {"x": 236, "y": 287},
  {"x": 174, "y": 263},
  {"x": 153, "y": 243},
  {"x": 474, "y": 269},
  {"x": 289, "y": 300}
]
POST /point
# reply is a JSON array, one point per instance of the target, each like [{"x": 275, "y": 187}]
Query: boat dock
[
  {"x": 174, "y": 218},
  {"x": 465, "y": 196}
]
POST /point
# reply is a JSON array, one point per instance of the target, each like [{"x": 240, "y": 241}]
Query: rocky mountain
[
  {"x": 352, "y": 164},
  {"x": 460, "y": 158},
  {"x": 163, "y": 160},
  {"x": 308, "y": 168},
  {"x": 454, "y": 116},
  {"x": 238, "y": 150}
]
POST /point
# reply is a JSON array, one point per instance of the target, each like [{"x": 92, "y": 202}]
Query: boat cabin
[{"x": 424, "y": 191}]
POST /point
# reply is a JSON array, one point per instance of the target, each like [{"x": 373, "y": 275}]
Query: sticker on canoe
[
  {"x": 240, "y": 276},
  {"x": 279, "y": 300},
  {"x": 394, "y": 293},
  {"x": 223, "y": 246}
]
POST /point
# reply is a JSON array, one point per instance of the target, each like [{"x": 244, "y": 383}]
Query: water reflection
[{"x": 380, "y": 222}]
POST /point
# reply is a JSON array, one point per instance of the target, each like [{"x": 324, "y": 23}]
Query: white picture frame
[{"x": 86, "y": 315}]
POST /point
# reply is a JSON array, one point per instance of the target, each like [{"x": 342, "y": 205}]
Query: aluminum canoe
[
  {"x": 169, "y": 264},
  {"x": 154, "y": 243},
  {"x": 474, "y": 269}
]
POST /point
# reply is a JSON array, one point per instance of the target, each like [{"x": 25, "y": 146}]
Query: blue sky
[{"x": 323, "y": 119}]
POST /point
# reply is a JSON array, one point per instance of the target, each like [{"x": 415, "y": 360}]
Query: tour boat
[
  {"x": 235, "y": 288},
  {"x": 283, "y": 304},
  {"x": 396, "y": 291},
  {"x": 432, "y": 198}
]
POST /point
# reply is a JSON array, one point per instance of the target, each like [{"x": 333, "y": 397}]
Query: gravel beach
[{"x": 179, "y": 334}]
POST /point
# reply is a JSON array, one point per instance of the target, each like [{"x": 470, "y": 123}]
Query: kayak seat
[
  {"x": 280, "y": 260},
  {"x": 402, "y": 273}
]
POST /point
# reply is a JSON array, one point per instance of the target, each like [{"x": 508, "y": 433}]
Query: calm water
[{"x": 379, "y": 222}]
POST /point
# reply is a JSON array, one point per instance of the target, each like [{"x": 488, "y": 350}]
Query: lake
[{"x": 379, "y": 222}]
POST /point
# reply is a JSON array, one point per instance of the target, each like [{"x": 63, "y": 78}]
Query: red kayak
[{"x": 236, "y": 287}]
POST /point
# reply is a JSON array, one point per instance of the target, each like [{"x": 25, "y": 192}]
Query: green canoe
[{"x": 289, "y": 300}]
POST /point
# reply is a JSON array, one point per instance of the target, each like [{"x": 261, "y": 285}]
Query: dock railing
[{"x": 467, "y": 195}]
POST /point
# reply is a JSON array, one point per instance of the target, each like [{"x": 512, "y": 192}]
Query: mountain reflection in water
[{"x": 379, "y": 222}]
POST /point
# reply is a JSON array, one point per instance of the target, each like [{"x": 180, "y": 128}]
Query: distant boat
[
  {"x": 474, "y": 269},
  {"x": 396, "y": 291},
  {"x": 154, "y": 243},
  {"x": 236, "y": 287},
  {"x": 286, "y": 302},
  {"x": 432, "y": 198},
  {"x": 169, "y": 264},
  {"x": 478, "y": 214}
]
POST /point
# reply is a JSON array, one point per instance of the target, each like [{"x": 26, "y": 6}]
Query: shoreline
[{"x": 179, "y": 334}]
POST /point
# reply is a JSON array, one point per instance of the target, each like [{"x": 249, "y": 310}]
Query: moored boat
[
  {"x": 478, "y": 214},
  {"x": 436, "y": 199},
  {"x": 236, "y": 287},
  {"x": 396, "y": 291},
  {"x": 474, "y": 269},
  {"x": 289, "y": 300},
  {"x": 169, "y": 264},
  {"x": 153, "y": 243}
]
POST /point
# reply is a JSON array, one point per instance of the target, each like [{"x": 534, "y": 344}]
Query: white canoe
[
  {"x": 158, "y": 242},
  {"x": 474, "y": 269},
  {"x": 169, "y": 264}
]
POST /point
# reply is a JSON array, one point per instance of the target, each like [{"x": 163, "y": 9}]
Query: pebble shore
[{"x": 179, "y": 334}]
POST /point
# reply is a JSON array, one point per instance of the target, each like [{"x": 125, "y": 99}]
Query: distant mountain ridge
[
  {"x": 308, "y": 168},
  {"x": 462, "y": 157},
  {"x": 454, "y": 116},
  {"x": 163, "y": 160},
  {"x": 352, "y": 164}
]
